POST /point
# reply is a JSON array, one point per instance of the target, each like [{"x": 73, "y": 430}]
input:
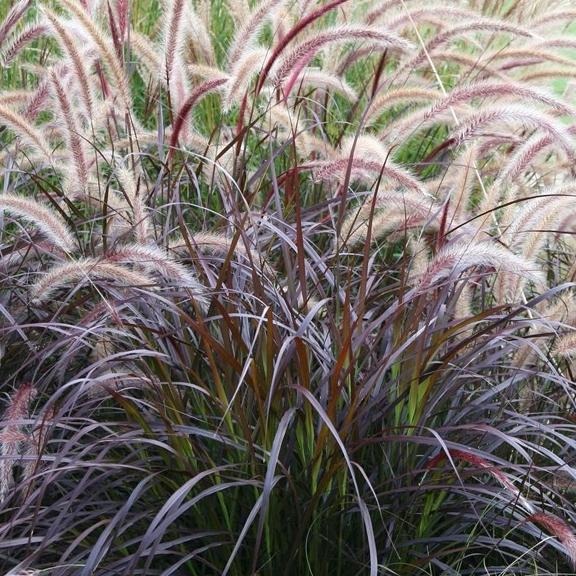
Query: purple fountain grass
[
  {"x": 390, "y": 224},
  {"x": 199, "y": 37},
  {"x": 396, "y": 213},
  {"x": 252, "y": 317},
  {"x": 241, "y": 73},
  {"x": 36, "y": 101},
  {"x": 557, "y": 42},
  {"x": 15, "y": 97},
  {"x": 114, "y": 32},
  {"x": 527, "y": 57},
  {"x": 36, "y": 443},
  {"x": 536, "y": 215},
  {"x": 387, "y": 98},
  {"x": 209, "y": 242},
  {"x": 123, "y": 14},
  {"x": 525, "y": 153},
  {"x": 379, "y": 10}
]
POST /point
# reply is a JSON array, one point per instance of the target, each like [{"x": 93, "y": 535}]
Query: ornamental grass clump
[{"x": 287, "y": 287}]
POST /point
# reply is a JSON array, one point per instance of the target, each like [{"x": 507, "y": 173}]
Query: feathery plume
[
  {"x": 395, "y": 212},
  {"x": 464, "y": 181},
  {"x": 430, "y": 15},
  {"x": 558, "y": 16},
  {"x": 105, "y": 50},
  {"x": 379, "y": 10},
  {"x": 13, "y": 435},
  {"x": 527, "y": 233},
  {"x": 388, "y": 98},
  {"x": 456, "y": 258},
  {"x": 115, "y": 33},
  {"x": 197, "y": 93},
  {"x": 241, "y": 73},
  {"x": 303, "y": 24},
  {"x": 43, "y": 217},
  {"x": 139, "y": 211},
  {"x": 473, "y": 63},
  {"x": 364, "y": 169},
  {"x": 79, "y": 183},
  {"x": 207, "y": 72},
  {"x": 356, "y": 226},
  {"x": 198, "y": 37},
  {"x": 238, "y": 9},
  {"x": 173, "y": 35},
  {"x": 528, "y": 57},
  {"x": 29, "y": 134},
  {"x": 81, "y": 270},
  {"x": 491, "y": 89},
  {"x": 557, "y": 42},
  {"x": 147, "y": 54},
  {"x": 244, "y": 38},
  {"x": 365, "y": 147},
  {"x": 123, "y": 12},
  {"x": 208, "y": 242},
  {"x": 12, "y": 18},
  {"x": 536, "y": 214},
  {"x": 547, "y": 73},
  {"x": 566, "y": 345},
  {"x": 293, "y": 64},
  {"x": 82, "y": 74},
  {"x": 30, "y": 33},
  {"x": 478, "y": 25},
  {"x": 12, "y": 97},
  {"x": 35, "y": 443},
  {"x": 470, "y": 125},
  {"x": 483, "y": 464},
  {"x": 323, "y": 80},
  {"x": 523, "y": 155},
  {"x": 36, "y": 101},
  {"x": 153, "y": 259},
  {"x": 559, "y": 529},
  {"x": 279, "y": 117}
]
